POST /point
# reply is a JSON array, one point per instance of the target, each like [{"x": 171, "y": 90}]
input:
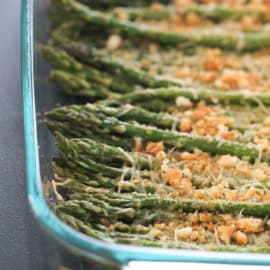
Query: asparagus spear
[
  {"x": 140, "y": 201},
  {"x": 147, "y": 13},
  {"x": 101, "y": 233},
  {"x": 76, "y": 86},
  {"x": 250, "y": 41},
  {"x": 87, "y": 211},
  {"x": 83, "y": 191},
  {"x": 221, "y": 13},
  {"x": 171, "y": 89},
  {"x": 112, "y": 3},
  {"x": 77, "y": 176},
  {"x": 129, "y": 228},
  {"x": 86, "y": 54},
  {"x": 213, "y": 13},
  {"x": 59, "y": 59},
  {"x": 140, "y": 184},
  {"x": 129, "y": 112},
  {"x": 217, "y": 13},
  {"x": 170, "y": 94},
  {"x": 63, "y": 173},
  {"x": 126, "y": 112},
  {"x": 75, "y": 148},
  {"x": 138, "y": 240},
  {"x": 72, "y": 180},
  {"x": 92, "y": 166},
  {"x": 72, "y": 131},
  {"x": 112, "y": 125},
  {"x": 153, "y": 105}
]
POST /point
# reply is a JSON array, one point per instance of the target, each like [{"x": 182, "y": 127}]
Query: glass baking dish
[{"x": 65, "y": 247}]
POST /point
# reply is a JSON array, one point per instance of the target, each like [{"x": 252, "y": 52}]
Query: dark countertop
[{"x": 19, "y": 237}]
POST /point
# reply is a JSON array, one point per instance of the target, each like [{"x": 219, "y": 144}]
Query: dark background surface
[{"x": 20, "y": 242}]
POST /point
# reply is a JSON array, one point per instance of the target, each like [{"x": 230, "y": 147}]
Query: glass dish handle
[{"x": 145, "y": 265}]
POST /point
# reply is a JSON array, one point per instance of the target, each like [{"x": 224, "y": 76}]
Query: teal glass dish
[{"x": 67, "y": 248}]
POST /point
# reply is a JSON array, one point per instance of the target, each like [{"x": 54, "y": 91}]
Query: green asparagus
[
  {"x": 107, "y": 190},
  {"x": 59, "y": 59},
  {"x": 137, "y": 240},
  {"x": 76, "y": 86},
  {"x": 148, "y": 201},
  {"x": 74, "y": 148},
  {"x": 250, "y": 41},
  {"x": 112, "y": 3},
  {"x": 215, "y": 14},
  {"x": 171, "y": 89},
  {"x": 77, "y": 180},
  {"x": 108, "y": 125},
  {"x": 170, "y": 94},
  {"x": 87, "y": 54},
  {"x": 72, "y": 131},
  {"x": 126, "y": 113}
]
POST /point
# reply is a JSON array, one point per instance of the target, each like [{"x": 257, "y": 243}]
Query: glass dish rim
[{"x": 80, "y": 243}]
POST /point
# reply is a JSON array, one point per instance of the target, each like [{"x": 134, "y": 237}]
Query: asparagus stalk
[
  {"x": 72, "y": 131},
  {"x": 250, "y": 41},
  {"x": 64, "y": 38},
  {"x": 147, "y": 13},
  {"x": 63, "y": 173},
  {"x": 153, "y": 105},
  {"x": 140, "y": 201},
  {"x": 78, "y": 180},
  {"x": 170, "y": 94},
  {"x": 112, "y": 125},
  {"x": 171, "y": 89},
  {"x": 221, "y": 13},
  {"x": 139, "y": 184},
  {"x": 102, "y": 233},
  {"x": 89, "y": 172},
  {"x": 94, "y": 167},
  {"x": 59, "y": 59},
  {"x": 75, "y": 148},
  {"x": 86, "y": 54},
  {"x": 90, "y": 166},
  {"x": 87, "y": 211},
  {"x": 76, "y": 86},
  {"x": 142, "y": 185},
  {"x": 129, "y": 228},
  {"x": 112, "y": 3},
  {"x": 126, "y": 238},
  {"x": 72, "y": 180},
  {"x": 126, "y": 112},
  {"x": 215, "y": 14}
]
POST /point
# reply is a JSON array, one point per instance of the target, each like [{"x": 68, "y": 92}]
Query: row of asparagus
[
  {"x": 142, "y": 240},
  {"x": 88, "y": 120},
  {"x": 246, "y": 42},
  {"x": 84, "y": 80},
  {"x": 104, "y": 188},
  {"x": 90, "y": 174},
  {"x": 87, "y": 158},
  {"x": 216, "y": 13}
]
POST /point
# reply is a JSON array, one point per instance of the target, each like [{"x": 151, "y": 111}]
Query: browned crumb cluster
[{"x": 206, "y": 228}]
